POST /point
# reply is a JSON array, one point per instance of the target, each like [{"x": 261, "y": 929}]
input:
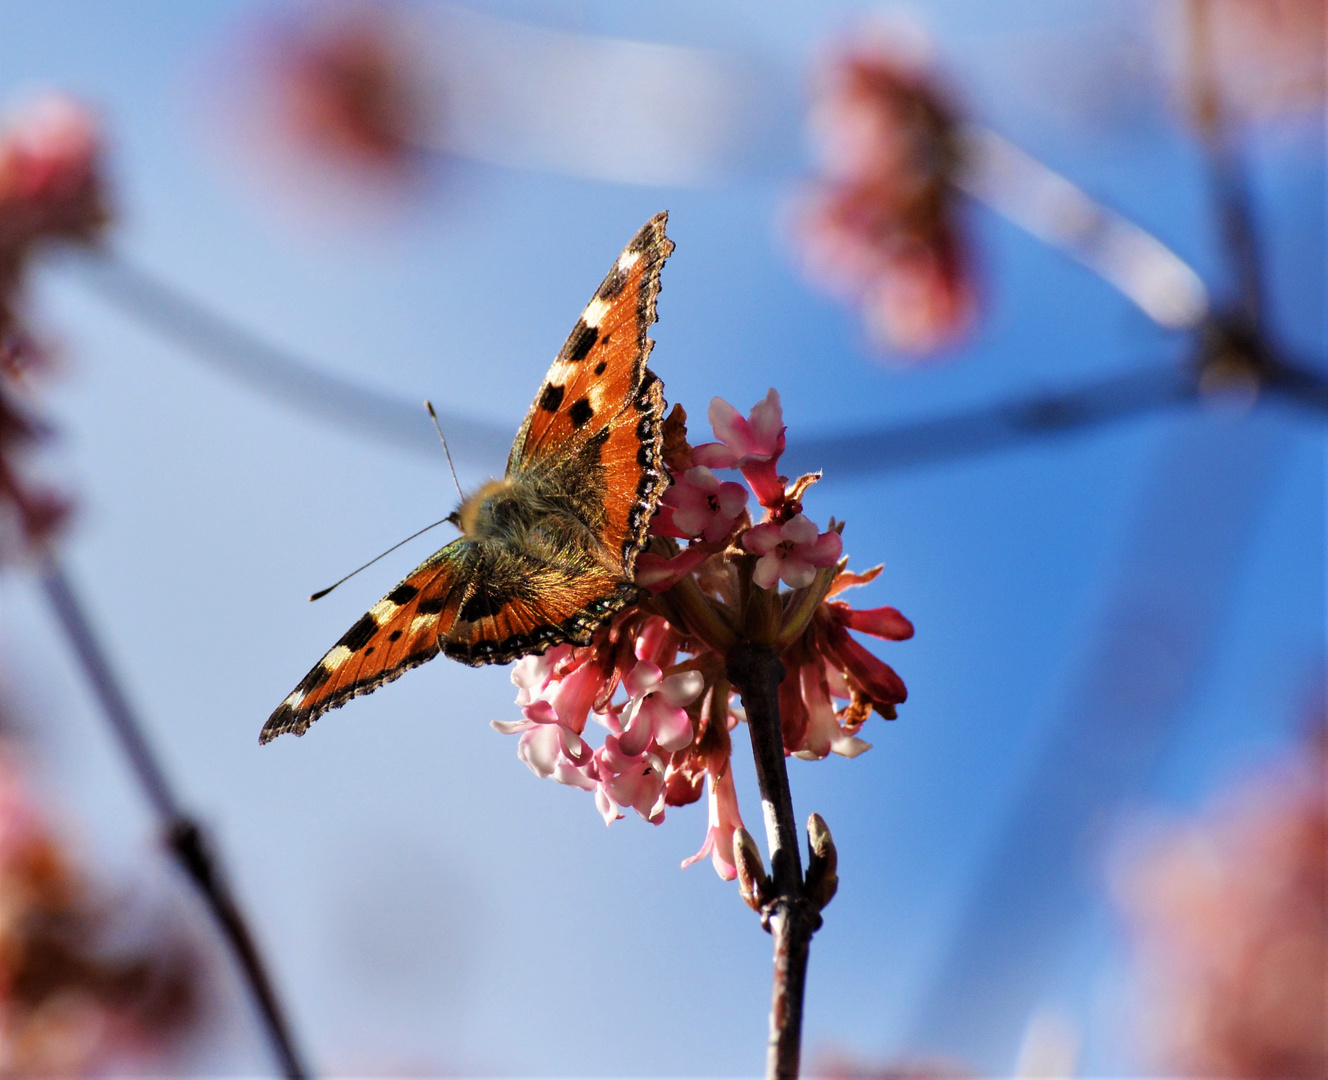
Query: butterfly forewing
[{"x": 599, "y": 392}]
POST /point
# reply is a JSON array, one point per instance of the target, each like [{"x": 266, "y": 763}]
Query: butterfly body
[{"x": 547, "y": 553}]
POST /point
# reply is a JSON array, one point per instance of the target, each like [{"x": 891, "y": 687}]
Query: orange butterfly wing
[
  {"x": 599, "y": 392},
  {"x": 398, "y": 633},
  {"x": 591, "y": 447}
]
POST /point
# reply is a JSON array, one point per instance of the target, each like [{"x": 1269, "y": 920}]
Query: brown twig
[
  {"x": 182, "y": 835},
  {"x": 789, "y": 914}
]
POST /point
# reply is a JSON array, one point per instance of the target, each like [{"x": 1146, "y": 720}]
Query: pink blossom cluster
[
  {"x": 69, "y": 1005},
  {"x": 342, "y": 84},
  {"x": 654, "y": 677},
  {"x": 1229, "y": 916},
  {"x": 51, "y": 189},
  {"x": 882, "y": 226}
]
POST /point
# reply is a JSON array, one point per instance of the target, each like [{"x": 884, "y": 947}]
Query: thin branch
[
  {"x": 277, "y": 373},
  {"x": 240, "y": 354},
  {"x": 182, "y": 835},
  {"x": 792, "y": 918},
  {"x": 1046, "y": 204},
  {"x": 1230, "y": 189},
  {"x": 994, "y": 427}
]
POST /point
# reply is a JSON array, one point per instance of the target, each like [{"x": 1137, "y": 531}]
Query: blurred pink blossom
[
  {"x": 343, "y": 85},
  {"x": 73, "y": 1002},
  {"x": 882, "y": 226},
  {"x": 51, "y": 189},
  {"x": 1229, "y": 914}
]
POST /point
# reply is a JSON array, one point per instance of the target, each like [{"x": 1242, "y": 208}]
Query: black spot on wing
[
  {"x": 581, "y": 412},
  {"x": 551, "y": 398},
  {"x": 395, "y": 635},
  {"x": 358, "y": 635},
  {"x": 580, "y": 343},
  {"x": 431, "y": 605},
  {"x": 599, "y": 368},
  {"x": 403, "y": 594}
]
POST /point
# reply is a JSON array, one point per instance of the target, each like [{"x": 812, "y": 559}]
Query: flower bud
[
  {"x": 753, "y": 882},
  {"x": 822, "y": 863}
]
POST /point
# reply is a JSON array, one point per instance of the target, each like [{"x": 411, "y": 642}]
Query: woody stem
[{"x": 756, "y": 671}]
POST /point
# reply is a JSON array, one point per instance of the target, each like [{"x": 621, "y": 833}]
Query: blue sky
[{"x": 427, "y": 903}]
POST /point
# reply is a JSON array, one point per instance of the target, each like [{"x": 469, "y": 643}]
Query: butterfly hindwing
[
  {"x": 551, "y": 604},
  {"x": 398, "y": 633}
]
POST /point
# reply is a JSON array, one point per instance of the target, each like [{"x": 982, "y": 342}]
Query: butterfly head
[{"x": 488, "y": 510}]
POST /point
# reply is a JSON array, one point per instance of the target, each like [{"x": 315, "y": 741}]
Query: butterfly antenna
[
  {"x": 323, "y": 592},
  {"x": 439, "y": 428}
]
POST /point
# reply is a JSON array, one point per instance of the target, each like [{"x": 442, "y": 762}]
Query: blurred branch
[
  {"x": 1047, "y": 205},
  {"x": 275, "y": 373},
  {"x": 994, "y": 427},
  {"x": 1226, "y": 177},
  {"x": 281, "y": 375},
  {"x": 183, "y": 836}
]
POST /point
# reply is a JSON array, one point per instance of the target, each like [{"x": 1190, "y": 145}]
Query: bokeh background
[{"x": 1112, "y": 625}]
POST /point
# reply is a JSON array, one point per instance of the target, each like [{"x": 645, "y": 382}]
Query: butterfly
[{"x": 547, "y": 553}]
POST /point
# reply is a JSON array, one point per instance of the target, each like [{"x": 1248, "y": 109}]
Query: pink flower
[
  {"x": 824, "y": 734},
  {"x": 723, "y": 821},
  {"x": 743, "y": 440},
  {"x": 627, "y": 779},
  {"x": 871, "y": 677},
  {"x": 544, "y": 740},
  {"x": 703, "y": 506},
  {"x": 654, "y": 710},
  {"x": 50, "y": 189},
  {"x": 752, "y": 444},
  {"x": 793, "y": 551},
  {"x": 568, "y": 678},
  {"x": 532, "y": 674}
]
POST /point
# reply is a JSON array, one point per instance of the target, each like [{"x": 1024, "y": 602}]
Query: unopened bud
[
  {"x": 822, "y": 863},
  {"x": 753, "y": 882}
]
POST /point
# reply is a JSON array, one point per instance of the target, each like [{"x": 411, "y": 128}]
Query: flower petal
[
  {"x": 824, "y": 550},
  {"x": 797, "y": 571},
  {"x": 762, "y": 538},
  {"x": 881, "y": 622},
  {"x": 766, "y": 573},
  {"x": 673, "y": 729},
  {"x": 642, "y": 679},
  {"x": 799, "y": 529},
  {"x": 714, "y": 455},
  {"x": 767, "y": 424},
  {"x": 732, "y": 499},
  {"x": 682, "y": 688},
  {"x": 730, "y": 427}
]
